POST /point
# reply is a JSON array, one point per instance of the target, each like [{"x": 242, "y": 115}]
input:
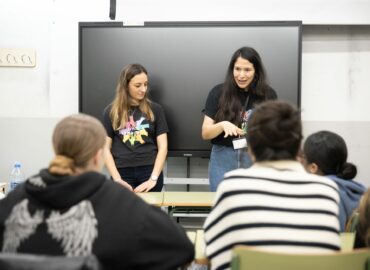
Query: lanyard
[{"x": 244, "y": 123}]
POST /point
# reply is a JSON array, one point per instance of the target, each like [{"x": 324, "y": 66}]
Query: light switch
[{"x": 17, "y": 57}]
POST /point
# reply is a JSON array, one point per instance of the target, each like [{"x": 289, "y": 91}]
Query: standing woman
[
  {"x": 137, "y": 134},
  {"x": 227, "y": 110}
]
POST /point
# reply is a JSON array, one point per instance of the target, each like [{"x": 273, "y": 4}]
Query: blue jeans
[
  {"x": 137, "y": 175},
  {"x": 224, "y": 159}
]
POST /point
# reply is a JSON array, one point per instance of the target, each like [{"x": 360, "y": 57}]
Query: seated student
[
  {"x": 362, "y": 238},
  {"x": 71, "y": 209},
  {"x": 275, "y": 204},
  {"x": 325, "y": 153}
]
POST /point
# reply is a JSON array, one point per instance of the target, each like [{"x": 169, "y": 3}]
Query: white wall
[{"x": 335, "y": 63}]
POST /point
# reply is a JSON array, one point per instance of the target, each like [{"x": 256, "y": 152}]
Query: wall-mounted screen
[{"x": 184, "y": 61}]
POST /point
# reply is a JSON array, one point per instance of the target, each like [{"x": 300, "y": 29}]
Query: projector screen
[{"x": 185, "y": 60}]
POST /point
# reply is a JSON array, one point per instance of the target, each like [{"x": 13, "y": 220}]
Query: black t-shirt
[
  {"x": 136, "y": 144},
  {"x": 212, "y": 106}
]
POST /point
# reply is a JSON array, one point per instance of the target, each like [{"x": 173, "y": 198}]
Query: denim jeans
[
  {"x": 224, "y": 159},
  {"x": 137, "y": 175}
]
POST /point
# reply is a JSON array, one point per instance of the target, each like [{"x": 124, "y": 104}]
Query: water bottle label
[{"x": 13, "y": 185}]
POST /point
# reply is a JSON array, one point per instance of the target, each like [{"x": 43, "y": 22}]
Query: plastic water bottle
[{"x": 16, "y": 176}]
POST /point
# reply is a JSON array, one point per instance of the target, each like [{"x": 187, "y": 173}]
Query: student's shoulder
[{"x": 119, "y": 195}]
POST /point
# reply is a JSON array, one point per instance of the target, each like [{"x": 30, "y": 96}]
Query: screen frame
[{"x": 120, "y": 24}]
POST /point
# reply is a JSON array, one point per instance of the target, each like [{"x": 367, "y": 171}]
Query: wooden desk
[
  {"x": 153, "y": 198},
  {"x": 202, "y": 199}
]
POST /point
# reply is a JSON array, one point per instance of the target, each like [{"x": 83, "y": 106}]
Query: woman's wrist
[{"x": 154, "y": 177}]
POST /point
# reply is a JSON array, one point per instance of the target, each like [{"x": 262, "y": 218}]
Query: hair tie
[{"x": 62, "y": 165}]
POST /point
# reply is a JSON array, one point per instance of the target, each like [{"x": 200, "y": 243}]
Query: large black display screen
[{"x": 184, "y": 61}]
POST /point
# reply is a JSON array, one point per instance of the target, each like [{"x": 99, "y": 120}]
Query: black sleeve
[
  {"x": 160, "y": 120},
  {"x": 107, "y": 122},
  {"x": 211, "y": 106},
  {"x": 163, "y": 243}
]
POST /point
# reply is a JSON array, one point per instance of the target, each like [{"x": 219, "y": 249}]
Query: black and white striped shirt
[{"x": 275, "y": 206}]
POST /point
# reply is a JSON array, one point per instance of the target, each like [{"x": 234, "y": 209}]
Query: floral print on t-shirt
[{"x": 134, "y": 131}]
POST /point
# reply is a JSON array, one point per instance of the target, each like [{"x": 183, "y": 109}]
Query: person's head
[
  {"x": 325, "y": 153},
  {"x": 131, "y": 90},
  {"x": 132, "y": 84},
  {"x": 245, "y": 73},
  {"x": 78, "y": 142},
  {"x": 364, "y": 218},
  {"x": 274, "y": 132},
  {"x": 246, "y": 70}
]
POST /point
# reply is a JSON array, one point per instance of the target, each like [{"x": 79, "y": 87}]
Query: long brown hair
[
  {"x": 122, "y": 101},
  {"x": 76, "y": 139}
]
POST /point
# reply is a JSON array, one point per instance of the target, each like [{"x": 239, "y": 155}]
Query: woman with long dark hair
[{"x": 227, "y": 110}]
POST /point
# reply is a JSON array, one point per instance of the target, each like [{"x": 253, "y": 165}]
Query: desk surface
[
  {"x": 154, "y": 198},
  {"x": 188, "y": 198}
]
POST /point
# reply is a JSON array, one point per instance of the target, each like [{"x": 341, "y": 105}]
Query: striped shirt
[{"x": 275, "y": 206}]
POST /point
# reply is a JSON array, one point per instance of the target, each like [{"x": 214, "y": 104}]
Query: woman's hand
[
  {"x": 230, "y": 129},
  {"x": 124, "y": 184},
  {"x": 146, "y": 186}
]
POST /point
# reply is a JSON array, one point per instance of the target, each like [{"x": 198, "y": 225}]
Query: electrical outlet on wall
[{"x": 17, "y": 57}]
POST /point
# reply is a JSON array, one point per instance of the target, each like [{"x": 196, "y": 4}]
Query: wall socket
[{"x": 17, "y": 57}]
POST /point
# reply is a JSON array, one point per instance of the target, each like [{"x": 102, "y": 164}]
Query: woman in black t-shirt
[
  {"x": 227, "y": 110},
  {"x": 137, "y": 134}
]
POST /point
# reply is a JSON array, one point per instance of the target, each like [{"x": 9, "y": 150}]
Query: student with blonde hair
[
  {"x": 137, "y": 133},
  {"x": 72, "y": 209}
]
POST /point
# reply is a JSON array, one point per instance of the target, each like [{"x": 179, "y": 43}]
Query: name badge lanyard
[
  {"x": 244, "y": 124},
  {"x": 241, "y": 143}
]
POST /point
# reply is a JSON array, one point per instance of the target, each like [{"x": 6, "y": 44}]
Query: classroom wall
[{"x": 335, "y": 62}]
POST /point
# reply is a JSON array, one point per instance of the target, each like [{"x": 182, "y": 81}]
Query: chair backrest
[
  {"x": 248, "y": 258},
  {"x": 20, "y": 261},
  {"x": 347, "y": 240}
]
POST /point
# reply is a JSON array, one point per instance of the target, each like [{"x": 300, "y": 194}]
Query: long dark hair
[
  {"x": 229, "y": 103},
  {"x": 329, "y": 151}
]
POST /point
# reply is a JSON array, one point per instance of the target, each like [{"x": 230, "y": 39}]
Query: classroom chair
[
  {"x": 21, "y": 261},
  {"x": 249, "y": 258}
]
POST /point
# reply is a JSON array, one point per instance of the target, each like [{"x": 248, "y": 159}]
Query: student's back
[
  {"x": 71, "y": 209},
  {"x": 325, "y": 153},
  {"x": 275, "y": 204}
]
